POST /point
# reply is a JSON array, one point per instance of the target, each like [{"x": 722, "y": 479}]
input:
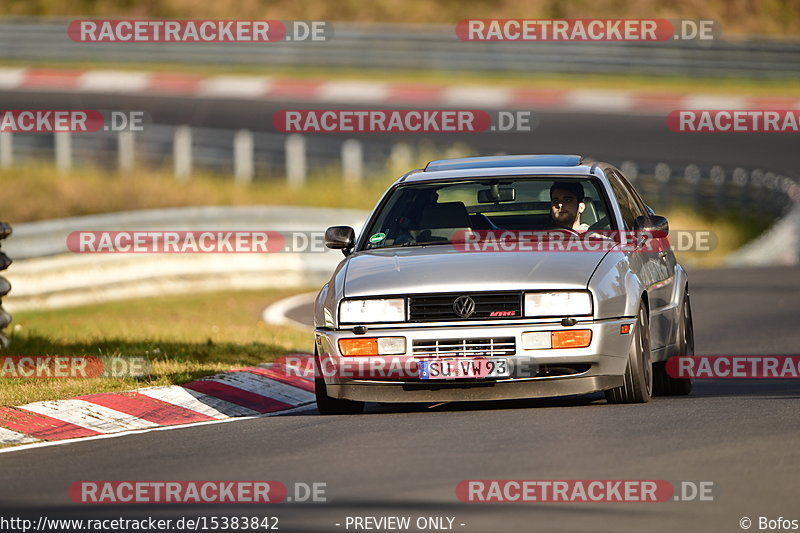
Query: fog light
[
  {"x": 391, "y": 345},
  {"x": 573, "y": 338},
  {"x": 536, "y": 340}
]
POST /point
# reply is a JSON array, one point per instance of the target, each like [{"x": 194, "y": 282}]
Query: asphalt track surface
[{"x": 406, "y": 461}]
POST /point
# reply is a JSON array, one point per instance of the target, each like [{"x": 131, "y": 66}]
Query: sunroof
[{"x": 543, "y": 160}]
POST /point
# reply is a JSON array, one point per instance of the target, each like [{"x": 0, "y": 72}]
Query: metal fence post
[
  {"x": 63, "y": 150},
  {"x": 718, "y": 176},
  {"x": 243, "y": 156},
  {"x": 663, "y": 174},
  {"x": 125, "y": 151},
  {"x": 352, "y": 161},
  {"x": 692, "y": 176},
  {"x": 6, "y": 149},
  {"x": 296, "y": 160},
  {"x": 182, "y": 152}
]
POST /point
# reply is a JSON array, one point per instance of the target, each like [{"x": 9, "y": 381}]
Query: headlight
[
  {"x": 366, "y": 311},
  {"x": 558, "y": 304}
]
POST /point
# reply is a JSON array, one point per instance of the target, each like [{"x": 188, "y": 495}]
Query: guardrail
[
  {"x": 5, "y": 286},
  {"x": 423, "y": 47},
  {"x": 47, "y": 275}
]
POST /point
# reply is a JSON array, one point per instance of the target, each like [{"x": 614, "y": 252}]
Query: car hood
[{"x": 443, "y": 268}]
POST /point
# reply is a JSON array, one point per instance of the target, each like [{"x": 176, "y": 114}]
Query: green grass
[{"x": 184, "y": 337}]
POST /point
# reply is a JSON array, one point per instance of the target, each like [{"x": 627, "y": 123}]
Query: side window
[
  {"x": 641, "y": 207},
  {"x": 627, "y": 205}
]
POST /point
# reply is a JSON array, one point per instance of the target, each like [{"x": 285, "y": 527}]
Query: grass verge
[{"x": 185, "y": 337}]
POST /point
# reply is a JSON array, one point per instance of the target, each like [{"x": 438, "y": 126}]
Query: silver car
[{"x": 507, "y": 277}]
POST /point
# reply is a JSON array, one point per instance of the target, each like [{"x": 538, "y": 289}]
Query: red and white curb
[
  {"x": 378, "y": 93},
  {"x": 246, "y": 392}
]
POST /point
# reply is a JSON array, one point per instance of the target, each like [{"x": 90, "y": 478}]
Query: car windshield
[{"x": 424, "y": 214}]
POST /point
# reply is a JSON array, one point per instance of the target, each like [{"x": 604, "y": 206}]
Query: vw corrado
[{"x": 507, "y": 277}]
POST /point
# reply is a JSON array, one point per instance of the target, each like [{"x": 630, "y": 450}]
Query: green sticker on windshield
[{"x": 378, "y": 237}]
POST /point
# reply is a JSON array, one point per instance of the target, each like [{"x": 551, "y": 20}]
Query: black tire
[
  {"x": 663, "y": 383},
  {"x": 327, "y": 405},
  {"x": 638, "y": 385}
]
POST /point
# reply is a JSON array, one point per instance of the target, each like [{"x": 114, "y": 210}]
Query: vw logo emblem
[{"x": 464, "y": 306}]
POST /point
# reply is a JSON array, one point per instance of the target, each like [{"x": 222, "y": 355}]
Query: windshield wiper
[{"x": 411, "y": 243}]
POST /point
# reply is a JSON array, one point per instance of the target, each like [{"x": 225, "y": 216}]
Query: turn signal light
[
  {"x": 573, "y": 338},
  {"x": 359, "y": 347}
]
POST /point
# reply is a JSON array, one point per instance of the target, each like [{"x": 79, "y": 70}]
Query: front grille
[
  {"x": 488, "y": 305},
  {"x": 464, "y": 347}
]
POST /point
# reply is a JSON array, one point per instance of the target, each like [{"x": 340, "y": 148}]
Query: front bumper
[{"x": 598, "y": 367}]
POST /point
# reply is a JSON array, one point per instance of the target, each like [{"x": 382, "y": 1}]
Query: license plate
[{"x": 463, "y": 367}]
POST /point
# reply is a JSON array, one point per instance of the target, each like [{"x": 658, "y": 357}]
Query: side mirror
[
  {"x": 654, "y": 224},
  {"x": 340, "y": 238}
]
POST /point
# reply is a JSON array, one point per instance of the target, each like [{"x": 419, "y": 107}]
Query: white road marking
[
  {"x": 197, "y": 402},
  {"x": 599, "y": 100},
  {"x": 43, "y": 444},
  {"x": 276, "y": 313},
  {"x": 11, "y": 78},
  {"x": 477, "y": 96},
  {"x": 265, "y": 386},
  {"x": 234, "y": 86},
  {"x": 356, "y": 92},
  {"x": 12, "y": 437},
  {"x": 88, "y": 415},
  {"x": 110, "y": 81}
]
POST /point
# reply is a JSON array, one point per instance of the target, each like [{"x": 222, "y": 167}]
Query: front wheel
[
  {"x": 664, "y": 384},
  {"x": 327, "y": 405},
  {"x": 638, "y": 385}
]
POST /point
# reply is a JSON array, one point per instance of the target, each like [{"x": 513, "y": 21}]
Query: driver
[{"x": 566, "y": 205}]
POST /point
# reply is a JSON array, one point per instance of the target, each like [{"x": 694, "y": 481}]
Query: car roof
[
  {"x": 503, "y": 161},
  {"x": 509, "y": 165}
]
